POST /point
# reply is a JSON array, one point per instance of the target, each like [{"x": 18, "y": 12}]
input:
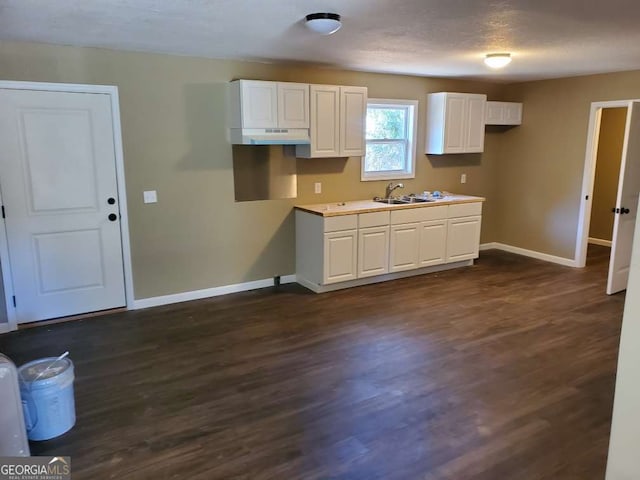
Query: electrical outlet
[
  {"x": 317, "y": 187},
  {"x": 463, "y": 178}
]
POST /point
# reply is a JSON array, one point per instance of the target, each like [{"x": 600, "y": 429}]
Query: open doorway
[
  {"x": 611, "y": 185},
  {"x": 606, "y": 179}
]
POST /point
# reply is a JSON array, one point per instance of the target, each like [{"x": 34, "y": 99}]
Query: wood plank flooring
[{"x": 500, "y": 371}]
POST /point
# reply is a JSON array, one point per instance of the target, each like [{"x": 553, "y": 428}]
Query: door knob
[
  {"x": 111, "y": 200},
  {"x": 615, "y": 210},
  {"x": 113, "y": 217},
  {"x": 624, "y": 210}
]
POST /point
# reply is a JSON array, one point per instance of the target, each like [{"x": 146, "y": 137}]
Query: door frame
[
  {"x": 588, "y": 177},
  {"x": 112, "y": 92}
]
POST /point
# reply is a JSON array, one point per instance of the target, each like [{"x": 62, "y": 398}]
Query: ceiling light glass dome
[{"x": 323, "y": 23}]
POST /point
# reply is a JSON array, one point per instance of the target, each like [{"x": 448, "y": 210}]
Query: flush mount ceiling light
[
  {"x": 497, "y": 60},
  {"x": 323, "y": 23}
]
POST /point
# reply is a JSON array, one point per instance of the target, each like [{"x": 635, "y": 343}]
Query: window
[{"x": 391, "y": 140}]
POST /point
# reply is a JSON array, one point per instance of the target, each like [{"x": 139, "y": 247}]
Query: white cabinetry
[
  {"x": 455, "y": 123},
  {"x": 463, "y": 234},
  {"x": 340, "y": 256},
  {"x": 258, "y": 104},
  {"x": 503, "y": 113},
  {"x": 340, "y": 248},
  {"x": 353, "y": 115},
  {"x": 373, "y": 244},
  {"x": 376, "y": 246},
  {"x": 403, "y": 249},
  {"x": 337, "y": 122},
  {"x": 418, "y": 238},
  {"x": 324, "y": 123},
  {"x": 293, "y": 105}
]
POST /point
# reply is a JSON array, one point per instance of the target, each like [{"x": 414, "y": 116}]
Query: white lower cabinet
[
  {"x": 420, "y": 239},
  {"x": 340, "y": 256},
  {"x": 373, "y": 251},
  {"x": 373, "y": 244},
  {"x": 344, "y": 248},
  {"x": 463, "y": 239},
  {"x": 403, "y": 250},
  {"x": 463, "y": 231},
  {"x": 433, "y": 243}
]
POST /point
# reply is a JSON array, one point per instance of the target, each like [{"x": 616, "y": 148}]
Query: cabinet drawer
[
  {"x": 465, "y": 209},
  {"x": 341, "y": 222},
  {"x": 420, "y": 214},
  {"x": 373, "y": 219}
]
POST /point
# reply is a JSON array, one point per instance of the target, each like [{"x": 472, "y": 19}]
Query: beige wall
[
  {"x": 172, "y": 112},
  {"x": 609, "y": 156},
  {"x": 541, "y": 162}
]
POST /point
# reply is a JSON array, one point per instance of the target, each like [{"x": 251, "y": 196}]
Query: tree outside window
[{"x": 390, "y": 140}]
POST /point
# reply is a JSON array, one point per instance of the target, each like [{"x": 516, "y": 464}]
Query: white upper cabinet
[
  {"x": 269, "y": 104},
  {"x": 324, "y": 123},
  {"x": 503, "y": 113},
  {"x": 293, "y": 105},
  {"x": 353, "y": 115},
  {"x": 337, "y": 122},
  {"x": 474, "y": 129},
  {"x": 259, "y": 104},
  {"x": 455, "y": 123}
]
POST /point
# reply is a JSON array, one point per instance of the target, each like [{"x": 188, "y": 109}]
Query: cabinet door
[
  {"x": 455, "y": 123},
  {"x": 474, "y": 128},
  {"x": 340, "y": 256},
  {"x": 404, "y": 244},
  {"x": 353, "y": 113},
  {"x": 463, "y": 238},
  {"x": 433, "y": 243},
  {"x": 494, "y": 113},
  {"x": 293, "y": 105},
  {"x": 373, "y": 251},
  {"x": 259, "y": 104},
  {"x": 325, "y": 119},
  {"x": 512, "y": 113}
]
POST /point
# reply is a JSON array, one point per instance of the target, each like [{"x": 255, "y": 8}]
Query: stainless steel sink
[
  {"x": 391, "y": 201},
  {"x": 402, "y": 200},
  {"x": 416, "y": 200}
]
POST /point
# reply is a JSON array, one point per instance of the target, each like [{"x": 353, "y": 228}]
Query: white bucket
[{"x": 47, "y": 397}]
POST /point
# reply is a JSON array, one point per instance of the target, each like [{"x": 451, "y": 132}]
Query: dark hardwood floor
[{"x": 501, "y": 371}]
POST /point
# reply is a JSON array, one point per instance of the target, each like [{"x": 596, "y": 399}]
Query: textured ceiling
[{"x": 547, "y": 38}]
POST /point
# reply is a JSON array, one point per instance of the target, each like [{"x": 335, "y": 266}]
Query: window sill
[{"x": 385, "y": 176}]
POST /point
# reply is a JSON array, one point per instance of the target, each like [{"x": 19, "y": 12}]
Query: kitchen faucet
[{"x": 391, "y": 187}]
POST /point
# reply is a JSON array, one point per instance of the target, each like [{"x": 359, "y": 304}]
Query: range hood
[{"x": 269, "y": 136}]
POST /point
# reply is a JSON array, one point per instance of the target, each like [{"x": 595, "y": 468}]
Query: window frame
[{"x": 411, "y": 129}]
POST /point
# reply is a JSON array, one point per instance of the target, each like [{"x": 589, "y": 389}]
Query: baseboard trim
[
  {"x": 599, "y": 241},
  {"x": 208, "y": 292},
  {"x": 567, "y": 262}
]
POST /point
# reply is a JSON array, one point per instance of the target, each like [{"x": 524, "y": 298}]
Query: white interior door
[
  {"x": 626, "y": 204},
  {"x": 59, "y": 191}
]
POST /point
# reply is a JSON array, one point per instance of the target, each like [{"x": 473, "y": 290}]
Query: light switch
[
  {"x": 150, "y": 196},
  {"x": 317, "y": 187}
]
